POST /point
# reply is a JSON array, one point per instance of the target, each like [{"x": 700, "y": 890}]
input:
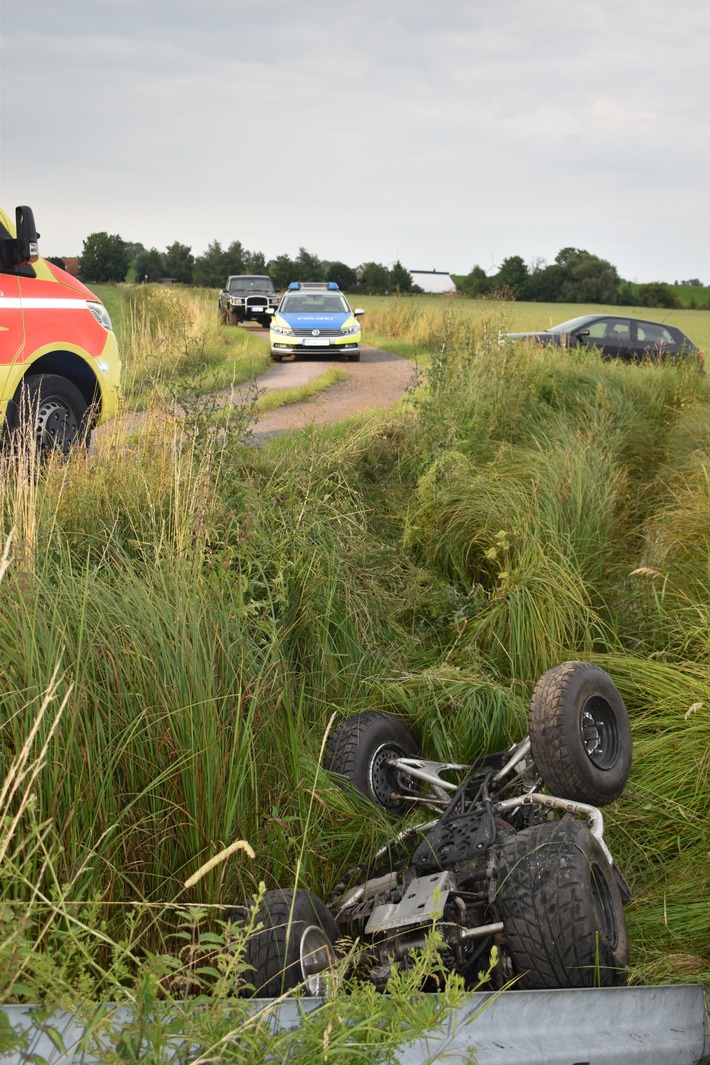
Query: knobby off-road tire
[
  {"x": 580, "y": 733},
  {"x": 359, "y": 749},
  {"x": 294, "y": 946},
  {"x": 49, "y": 411},
  {"x": 561, "y": 908}
]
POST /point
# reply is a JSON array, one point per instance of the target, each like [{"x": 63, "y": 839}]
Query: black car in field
[{"x": 617, "y": 337}]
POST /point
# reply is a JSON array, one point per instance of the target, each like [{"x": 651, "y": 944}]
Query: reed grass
[{"x": 213, "y": 605}]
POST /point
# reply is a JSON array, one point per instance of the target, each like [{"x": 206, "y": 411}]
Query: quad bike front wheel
[
  {"x": 561, "y": 908},
  {"x": 580, "y": 733},
  {"x": 361, "y": 747},
  {"x": 294, "y": 946}
]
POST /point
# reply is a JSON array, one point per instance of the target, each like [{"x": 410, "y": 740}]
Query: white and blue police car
[{"x": 314, "y": 316}]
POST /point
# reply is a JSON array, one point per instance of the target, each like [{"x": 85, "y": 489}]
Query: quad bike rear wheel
[
  {"x": 361, "y": 747},
  {"x": 580, "y": 733},
  {"x": 294, "y": 947},
  {"x": 561, "y": 907}
]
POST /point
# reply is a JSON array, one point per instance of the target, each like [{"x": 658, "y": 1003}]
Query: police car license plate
[{"x": 315, "y": 342}]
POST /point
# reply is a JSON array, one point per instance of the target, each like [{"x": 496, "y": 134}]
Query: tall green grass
[{"x": 210, "y": 606}]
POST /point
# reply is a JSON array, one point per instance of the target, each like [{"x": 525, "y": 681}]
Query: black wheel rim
[
  {"x": 600, "y": 736},
  {"x": 604, "y": 906},
  {"x": 383, "y": 779}
]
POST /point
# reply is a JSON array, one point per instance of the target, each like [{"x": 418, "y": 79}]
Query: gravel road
[{"x": 378, "y": 380}]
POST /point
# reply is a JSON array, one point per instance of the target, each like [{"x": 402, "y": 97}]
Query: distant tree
[
  {"x": 179, "y": 262},
  {"x": 254, "y": 262},
  {"x": 586, "y": 278},
  {"x": 544, "y": 283},
  {"x": 282, "y": 271},
  {"x": 344, "y": 277},
  {"x": 400, "y": 279},
  {"x": 657, "y": 294},
  {"x": 149, "y": 265},
  {"x": 212, "y": 268},
  {"x": 134, "y": 248},
  {"x": 375, "y": 279},
  {"x": 628, "y": 294},
  {"x": 694, "y": 282},
  {"x": 103, "y": 258},
  {"x": 513, "y": 275},
  {"x": 308, "y": 267},
  {"x": 477, "y": 283}
]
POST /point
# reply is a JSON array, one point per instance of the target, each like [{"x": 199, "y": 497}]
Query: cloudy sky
[{"x": 444, "y": 133}]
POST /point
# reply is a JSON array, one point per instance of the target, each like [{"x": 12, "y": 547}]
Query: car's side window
[
  {"x": 652, "y": 334},
  {"x": 597, "y": 330},
  {"x": 618, "y": 331}
]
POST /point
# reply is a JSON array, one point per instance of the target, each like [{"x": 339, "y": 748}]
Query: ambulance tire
[{"x": 50, "y": 410}]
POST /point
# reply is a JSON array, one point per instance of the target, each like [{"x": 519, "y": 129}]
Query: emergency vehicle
[
  {"x": 313, "y": 317},
  {"x": 59, "y": 361}
]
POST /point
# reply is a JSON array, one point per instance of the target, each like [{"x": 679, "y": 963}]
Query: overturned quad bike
[{"x": 503, "y": 863}]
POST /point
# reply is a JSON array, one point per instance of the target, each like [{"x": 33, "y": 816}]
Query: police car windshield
[
  {"x": 314, "y": 303},
  {"x": 251, "y": 284}
]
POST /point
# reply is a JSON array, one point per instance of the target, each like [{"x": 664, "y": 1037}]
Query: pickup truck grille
[
  {"x": 321, "y": 332},
  {"x": 257, "y": 301}
]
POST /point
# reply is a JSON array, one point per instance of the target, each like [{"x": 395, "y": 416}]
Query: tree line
[
  {"x": 575, "y": 275},
  {"x": 107, "y": 257}
]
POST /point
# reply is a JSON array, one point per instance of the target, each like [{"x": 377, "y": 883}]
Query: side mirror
[
  {"x": 27, "y": 236},
  {"x": 358, "y": 311}
]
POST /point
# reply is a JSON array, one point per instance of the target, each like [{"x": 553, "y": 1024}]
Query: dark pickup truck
[{"x": 248, "y": 297}]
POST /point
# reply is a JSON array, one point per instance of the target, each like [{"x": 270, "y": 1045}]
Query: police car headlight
[
  {"x": 282, "y": 330},
  {"x": 348, "y": 330},
  {"x": 100, "y": 314}
]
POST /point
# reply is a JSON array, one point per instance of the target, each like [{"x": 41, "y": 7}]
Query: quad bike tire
[
  {"x": 359, "y": 748},
  {"x": 561, "y": 908},
  {"x": 580, "y": 733},
  {"x": 294, "y": 946}
]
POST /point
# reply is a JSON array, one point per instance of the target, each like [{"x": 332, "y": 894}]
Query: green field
[
  {"x": 385, "y": 315},
  {"x": 183, "y": 615}
]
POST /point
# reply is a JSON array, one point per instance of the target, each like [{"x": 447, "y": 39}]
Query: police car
[{"x": 314, "y": 316}]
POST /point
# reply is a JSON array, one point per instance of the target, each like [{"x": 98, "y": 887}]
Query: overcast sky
[{"x": 444, "y": 133}]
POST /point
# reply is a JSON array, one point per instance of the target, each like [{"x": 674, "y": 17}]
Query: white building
[{"x": 433, "y": 281}]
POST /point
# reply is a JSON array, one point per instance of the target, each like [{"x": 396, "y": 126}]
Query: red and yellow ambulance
[{"x": 59, "y": 361}]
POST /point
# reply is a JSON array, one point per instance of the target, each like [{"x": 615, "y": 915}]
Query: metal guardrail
[{"x": 666, "y": 1025}]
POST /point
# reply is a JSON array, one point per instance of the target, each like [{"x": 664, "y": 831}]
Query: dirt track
[{"x": 378, "y": 380}]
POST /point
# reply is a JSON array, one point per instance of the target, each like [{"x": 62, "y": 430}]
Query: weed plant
[{"x": 199, "y": 609}]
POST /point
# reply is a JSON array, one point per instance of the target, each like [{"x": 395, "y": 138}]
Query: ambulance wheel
[{"x": 50, "y": 411}]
